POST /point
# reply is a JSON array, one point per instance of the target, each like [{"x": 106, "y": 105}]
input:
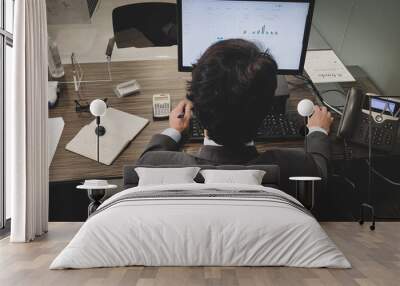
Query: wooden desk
[{"x": 154, "y": 77}]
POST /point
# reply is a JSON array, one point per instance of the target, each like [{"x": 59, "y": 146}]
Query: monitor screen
[{"x": 282, "y": 27}]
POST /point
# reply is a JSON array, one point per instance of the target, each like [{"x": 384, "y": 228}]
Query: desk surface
[{"x": 154, "y": 77}]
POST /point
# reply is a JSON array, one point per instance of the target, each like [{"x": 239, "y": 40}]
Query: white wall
[{"x": 364, "y": 33}]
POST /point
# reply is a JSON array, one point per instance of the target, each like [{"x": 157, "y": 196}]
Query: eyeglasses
[{"x": 265, "y": 53}]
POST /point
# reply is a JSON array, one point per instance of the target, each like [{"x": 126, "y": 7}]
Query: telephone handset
[
  {"x": 351, "y": 113},
  {"x": 354, "y": 124}
]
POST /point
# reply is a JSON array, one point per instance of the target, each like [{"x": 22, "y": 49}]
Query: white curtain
[{"x": 26, "y": 118}]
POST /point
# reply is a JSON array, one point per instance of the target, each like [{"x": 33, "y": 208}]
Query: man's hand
[
  {"x": 181, "y": 124},
  {"x": 321, "y": 118}
]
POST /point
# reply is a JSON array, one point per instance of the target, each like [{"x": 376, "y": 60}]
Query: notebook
[
  {"x": 121, "y": 129},
  {"x": 323, "y": 66}
]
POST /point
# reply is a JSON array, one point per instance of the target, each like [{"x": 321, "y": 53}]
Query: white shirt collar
[{"x": 209, "y": 142}]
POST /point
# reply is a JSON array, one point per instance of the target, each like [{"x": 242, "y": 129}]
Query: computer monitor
[{"x": 282, "y": 27}]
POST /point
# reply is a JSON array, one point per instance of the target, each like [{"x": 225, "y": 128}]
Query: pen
[{"x": 182, "y": 114}]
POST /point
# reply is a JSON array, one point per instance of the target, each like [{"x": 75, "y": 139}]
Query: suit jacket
[{"x": 163, "y": 150}]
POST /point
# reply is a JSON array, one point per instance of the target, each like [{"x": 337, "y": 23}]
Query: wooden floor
[{"x": 375, "y": 257}]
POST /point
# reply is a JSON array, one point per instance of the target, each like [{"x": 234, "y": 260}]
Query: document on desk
[
  {"x": 323, "y": 66},
  {"x": 55, "y": 128},
  {"x": 121, "y": 129}
]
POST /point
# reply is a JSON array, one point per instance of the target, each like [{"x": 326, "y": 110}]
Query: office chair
[{"x": 142, "y": 25}]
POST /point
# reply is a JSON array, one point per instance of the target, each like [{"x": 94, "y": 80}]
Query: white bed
[{"x": 210, "y": 230}]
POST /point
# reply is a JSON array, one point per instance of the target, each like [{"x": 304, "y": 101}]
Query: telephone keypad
[{"x": 383, "y": 134}]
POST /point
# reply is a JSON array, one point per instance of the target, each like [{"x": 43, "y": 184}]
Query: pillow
[
  {"x": 247, "y": 177},
  {"x": 166, "y": 176}
]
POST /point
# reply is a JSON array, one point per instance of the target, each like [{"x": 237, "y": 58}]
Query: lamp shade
[
  {"x": 305, "y": 108},
  {"x": 98, "y": 107}
]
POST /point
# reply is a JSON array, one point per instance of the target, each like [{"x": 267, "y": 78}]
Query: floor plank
[{"x": 375, "y": 257}]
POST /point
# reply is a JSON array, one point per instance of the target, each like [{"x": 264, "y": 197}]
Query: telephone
[{"x": 354, "y": 124}]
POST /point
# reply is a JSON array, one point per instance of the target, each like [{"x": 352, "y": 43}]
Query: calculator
[{"x": 161, "y": 106}]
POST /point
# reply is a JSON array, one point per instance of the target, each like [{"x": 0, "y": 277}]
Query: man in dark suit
[{"x": 232, "y": 86}]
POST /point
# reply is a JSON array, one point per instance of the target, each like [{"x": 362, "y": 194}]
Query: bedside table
[
  {"x": 96, "y": 190},
  {"x": 305, "y": 190}
]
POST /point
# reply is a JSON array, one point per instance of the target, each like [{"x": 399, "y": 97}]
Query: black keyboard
[{"x": 274, "y": 127}]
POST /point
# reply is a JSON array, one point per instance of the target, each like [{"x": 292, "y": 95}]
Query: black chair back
[{"x": 142, "y": 25}]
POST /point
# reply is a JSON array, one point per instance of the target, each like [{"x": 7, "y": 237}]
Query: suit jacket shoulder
[
  {"x": 163, "y": 150},
  {"x": 167, "y": 158}
]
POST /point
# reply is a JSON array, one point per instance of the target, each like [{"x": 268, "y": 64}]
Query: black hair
[{"x": 232, "y": 85}]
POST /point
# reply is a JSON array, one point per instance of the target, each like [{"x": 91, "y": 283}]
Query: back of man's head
[{"x": 232, "y": 85}]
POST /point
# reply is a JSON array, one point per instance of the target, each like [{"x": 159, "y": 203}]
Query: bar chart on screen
[
  {"x": 277, "y": 27},
  {"x": 264, "y": 30}
]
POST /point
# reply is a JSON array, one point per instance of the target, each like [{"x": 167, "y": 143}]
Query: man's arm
[
  {"x": 318, "y": 144},
  {"x": 169, "y": 139}
]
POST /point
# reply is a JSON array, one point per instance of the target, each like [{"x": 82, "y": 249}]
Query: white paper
[
  {"x": 324, "y": 66},
  {"x": 55, "y": 127},
  {"x": 121, "y": 128}
]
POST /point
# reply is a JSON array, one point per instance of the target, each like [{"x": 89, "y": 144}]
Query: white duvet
[{"x": 200, "y": 231}]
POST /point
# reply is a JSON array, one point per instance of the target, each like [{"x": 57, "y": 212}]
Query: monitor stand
[
  {"x": 281, "y": 95},
  {"x": 283, "y": 87}
]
